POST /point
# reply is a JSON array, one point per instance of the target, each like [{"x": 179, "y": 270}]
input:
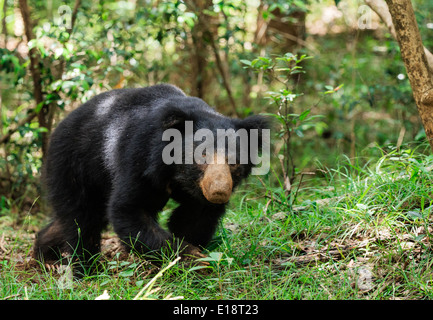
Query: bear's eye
[
  {"x": 234, "y": 167},
  {"x": 202, "y": 165}
]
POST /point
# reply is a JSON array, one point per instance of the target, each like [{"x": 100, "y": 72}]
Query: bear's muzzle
[{"x": 217, "y": 183}]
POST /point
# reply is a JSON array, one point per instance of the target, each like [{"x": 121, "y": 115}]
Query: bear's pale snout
[{"x": 217, "y": 183}]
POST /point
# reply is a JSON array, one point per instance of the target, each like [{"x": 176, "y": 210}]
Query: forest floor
[{"x": 364, "y": 234}]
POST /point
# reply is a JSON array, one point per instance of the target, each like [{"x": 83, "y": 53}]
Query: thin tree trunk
[
  {"x": 36, "y": 74},
  {"x": 415, "y": 60},
  {"x": 200, "y": 77},
  {"x": 46, "y": 113},
  {"x": 4, "y": 26},
  {"x": 381, "y": 8},
  {"x": 202, "y": 34},
  {"x": 224, "y": 77}
]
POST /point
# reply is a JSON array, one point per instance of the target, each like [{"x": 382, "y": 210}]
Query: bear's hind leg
[
  {"x": 83, "y": 240},
  {"x": 76, "y": 231},
  {"x": 50, "y": 243}
]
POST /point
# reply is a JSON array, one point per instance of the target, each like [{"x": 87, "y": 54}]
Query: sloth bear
[{"x": 113, "y": 160}]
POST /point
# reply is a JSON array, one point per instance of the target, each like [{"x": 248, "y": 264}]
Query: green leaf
[
  {"x": 299, "y": 133},
  {"x": 85, "y": 85},
  {"x": 304, "y": 114},
  {"x": 127, "y": 273},
  {"x": 247, "y": 62},
  {"x": 199, "y": 268},
  {"x": 415, "y": 214},
  {"x": 39, "y": 106},
  {"x": 420, "y": 237},
  {"x": 320, "y": 127},
  {"x": 42, "y": 129}
]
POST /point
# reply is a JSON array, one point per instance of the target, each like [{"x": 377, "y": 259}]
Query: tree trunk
[
  {"x": 202, "y": 35},
  {"x": 381, "y": 8},
  {"x": 415, "y": 60},
  {"x": 46, "y": 113},
  {"x": 4, "y": 26},
  {"x": 199, "y": 56},
  {"x": 36, "y": 74}
]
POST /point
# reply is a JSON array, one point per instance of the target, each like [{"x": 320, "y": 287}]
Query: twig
[
  {"x": 273, "y": 199},
  {"x": 7, "y": 136},
  {"x": 74, "y": 15},
  {"x": 401, "y": 137},
  {"x": 150, "y": 284},
  {"x": 12, "y": 295},
  {"x": 334, "y": 254},
  {"x": 300, "y": 181},
  {"x": 287, "y": 184},
  {"x": 1, "y": 244},
  {"x": 267, "y": 205}
]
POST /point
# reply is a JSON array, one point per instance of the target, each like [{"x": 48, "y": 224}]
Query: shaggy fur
[{"x": 104, "y": 165}]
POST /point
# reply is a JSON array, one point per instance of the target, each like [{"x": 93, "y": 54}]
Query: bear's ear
[
  {"x": 174, "y": 118},
  {"x": 259, "y": 123},
  {"x": 255, "y": 122}
]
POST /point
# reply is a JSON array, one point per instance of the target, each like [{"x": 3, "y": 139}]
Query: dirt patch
[{"x": 17, "y": 250}]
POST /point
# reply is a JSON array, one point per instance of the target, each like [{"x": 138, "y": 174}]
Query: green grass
[{"x": 365, "y": 233}]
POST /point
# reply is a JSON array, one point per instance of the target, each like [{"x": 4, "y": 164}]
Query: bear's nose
[
  {"x": 217, "y": 183},
  {"x": 219, "y": 191}
]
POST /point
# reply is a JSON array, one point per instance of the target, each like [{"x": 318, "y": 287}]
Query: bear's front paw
[{"x": 191, "y": 254}]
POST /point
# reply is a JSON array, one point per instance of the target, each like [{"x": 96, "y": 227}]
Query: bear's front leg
[
  {"x": 196, "y": 223},
  {"x": 134, "y": 219}
]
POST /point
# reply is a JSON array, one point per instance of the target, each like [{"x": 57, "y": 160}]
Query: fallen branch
[{"x": 321, "y": 256}]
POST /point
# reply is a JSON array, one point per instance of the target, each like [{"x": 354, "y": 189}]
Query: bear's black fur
[{"x": 104, "y": 165}]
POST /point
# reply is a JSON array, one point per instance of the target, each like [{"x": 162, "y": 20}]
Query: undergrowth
[{"x": 365, "y": 233}]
